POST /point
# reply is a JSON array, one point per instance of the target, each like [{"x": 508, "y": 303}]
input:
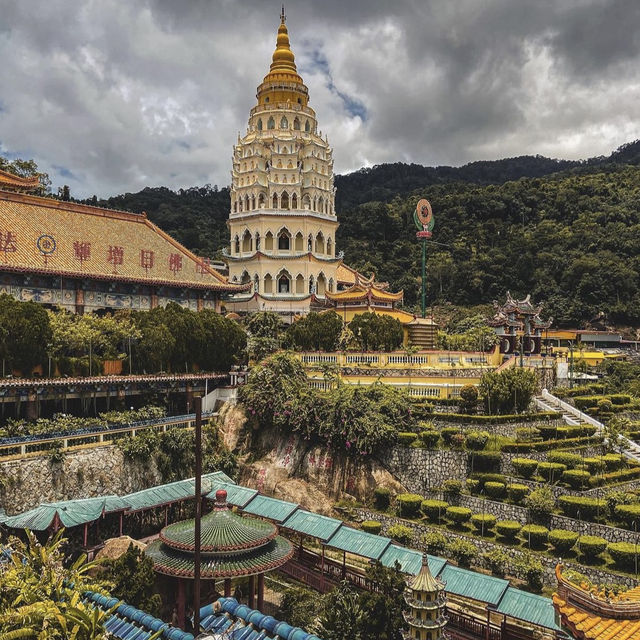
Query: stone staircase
[{"x": 572, "y": 416}]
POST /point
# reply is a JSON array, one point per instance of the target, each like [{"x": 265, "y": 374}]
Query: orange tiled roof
[
  {"x": 363, "y": 291},
  {"x": 586, "y": 626},
  {"x": 40, "y": 235},
  {"x": 12, "y": 181},
  {"x": 345, "y": 274}
]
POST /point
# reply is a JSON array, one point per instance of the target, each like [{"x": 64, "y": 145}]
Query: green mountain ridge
[{"x": 568, "y": 232}]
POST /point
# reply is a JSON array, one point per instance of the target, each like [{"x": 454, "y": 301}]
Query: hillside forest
[{"x": 567, "y": 232}]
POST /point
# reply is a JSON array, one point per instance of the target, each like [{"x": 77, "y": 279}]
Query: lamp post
[
  {"x": 423, "y": 218},
  {"x": 635, "y": 545}
]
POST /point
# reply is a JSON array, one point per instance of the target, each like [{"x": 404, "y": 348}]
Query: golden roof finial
[{"x": 283, "y": 58}]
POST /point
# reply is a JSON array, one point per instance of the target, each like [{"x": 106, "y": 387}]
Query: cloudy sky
[{"x": 114, "y": 95}]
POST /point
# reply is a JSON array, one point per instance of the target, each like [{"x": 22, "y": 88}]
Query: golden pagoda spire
[{"x": 283, "y": 58}]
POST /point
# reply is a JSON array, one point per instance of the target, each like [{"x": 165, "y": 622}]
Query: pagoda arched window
[
  {"x": 259, "y": 124},
  {"x": 299, "y": 283},
  {"x": 307, "y": 126},
  {"x": 284, "y": 283},
  {"x": 261, "y": 200},
  {"x": 246, "y": 241},
  {"x": 306, "y": 201},
  {"x": 246, "y": 203},
  {"x": 321, "y": 285},
  {"x": 268, "y": 241},
  {"x": 296, "y": 124},
  {"x": 285, "y": 150},
  {"x": 237, "y": 244},
  {"x": 284, "y": 123},
  {"x": 284, "y": 241},
  {"x": 246, "y": 278},
  {"x": 320, "y": 243},
  {"x": 284, "y": 200},
  {"x": 268, "y": 284},
  {"x": 294, "y": 201},
  {"x": 271, "y": 123},
  {"x": 235, "y": 206},
  {"x": 329, "y": 246},
  {"x": 275, "y": 200},
  {"x": 299, "y": 243}
]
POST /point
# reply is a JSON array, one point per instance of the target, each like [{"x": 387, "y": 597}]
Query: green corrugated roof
[
  {"x": 312, "y": 524},
  {"x": 359, "y": 542},
  {"x": 529, "y": 607},
  {"x": 156, "y": 496},
  {"x": 272, "y": 508},
  {"x": 470, "y": 584},
  {"x": 71, "y": 513},
  {"x": 236, "y": 495},
  {"x": 410, "y": 560}
]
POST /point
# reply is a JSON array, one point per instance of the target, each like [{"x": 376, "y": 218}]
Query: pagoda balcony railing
[
  {"x": 437, "y": 623},
  {"x": 293, "y": 106},
  {"x": 427, "y": 605}
]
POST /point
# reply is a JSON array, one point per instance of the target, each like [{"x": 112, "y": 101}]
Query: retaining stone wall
[
  {"x": 99, "y": 471},
  {"x": 549, "y": 579}
]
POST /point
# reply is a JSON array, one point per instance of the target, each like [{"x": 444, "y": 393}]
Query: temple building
[
  {"x": 283, "y": 221},
  {"x": 84, "y": 258},
  {"x": 519, "y": 326}
]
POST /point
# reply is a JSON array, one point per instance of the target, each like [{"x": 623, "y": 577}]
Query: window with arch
[
  {"x": 285, "y": 150},
  {"x": 259, "y": 124},
  {"x": 275, "y": 200},
  {"x": 268, "y": 284},
  {"x": 256, "y": 283},
  {"x": 246, "y": 203},
  {"x": 299, "y": 283},
  {"x": 299, "y": 242},
  {"x": 284, "y": 200},
  {"x": 307, "y": 126},
  {"x": 237, "y": 244},
  {"x": 246, "y": 241},
  {"x": 306, "y": 201},
  {"x": 235, "y": 206},
  {"x": 284, "y": 123},
  {"x": 294, "y": 200},
  {"x": 284, "y": 241},
  {"x": 279, "y": 164},
  {"x": 321, "y": 285},
  {"x": 296, "y": 123},
  {"x": 320, "y": 243},
  {"x": 268, "y": 241},
  {"x": 271, "y": 123},
  {"x": 246, "y": 278},
  {"x": 284, "y": 283},
  {"x": 261, "y": 200}
]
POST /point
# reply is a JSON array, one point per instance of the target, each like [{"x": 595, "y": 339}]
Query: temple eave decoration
[{"x": 12, "y": 182}]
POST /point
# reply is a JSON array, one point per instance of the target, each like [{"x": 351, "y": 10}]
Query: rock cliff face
[
  {"x": 293, "y": 469},
  {"x": 88, "y": 473}
]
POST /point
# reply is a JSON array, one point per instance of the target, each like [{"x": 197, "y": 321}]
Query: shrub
[
  {"x": 616, "y": 476},
  {"x": 459, "y": 515},
  {"x": 524, "y": 467},
  {"x": 400, "y": 533},
  {"x": 406, "y": 438},
  {"x": 613, "y": 461},
  {"x": 371, "y": 526},
  {"x": 486, "y": 460},
  {"x": 547, "y": 445},
  {"x": 551, "y": 471},
  {"x": 496, "y": 561},
  {"x": 594, "y": 465},
  {"x": 476, "y": 440},
  {"x": 517, "y": 492},
  {"x": 457, "y": 441},
  {"x": 495, "y": 490},
  {"x": 628, "y": 513},
  {"x": 447, "y": 434},
  {"x": 623, "y": 554},
  {"x": 490, "y": 477},
  {"x": 570, "y": 460},
  {"x": 576, "y": 479},
  {"x": 540, "y": 502},
  {"x": 588, "y": 507},
  {"x": 605, "y": 405},
  {"x": 430, "y": 438},
  {"x": 530, "y": 568},
  {"x": 382, "y": 498},
  {"x": 408, "y": 504},
  {"x": 434, "y": 542},
  {"x": 568, "y": 432},
  {"x": 562, "y": 540},
  {"x": 473, "y": 485},
  {"x": 454, "y": 487},
  {"x": 614, "y": 498},
  {"x": 508, "y": 528},
  {"x": 591, "y": 546},
  {"x": 468, "y": 399},
  {"x": 535, "y": 534},
  {"x": 547, "y": 431},
  {"x": 434, "y": 509},
  {"x": 462, "y": 551},
  {"x": 483, "y": 522}
]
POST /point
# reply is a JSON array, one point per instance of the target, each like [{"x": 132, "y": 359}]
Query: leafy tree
[
  {"x": 468, "y": 399},
  {"x": 376, "y": 332},
  {"x": 265, "y": 333},
  {"x": 508, "y": 391},
  {"x": 133, "y": 580},
  {"x": 299, "y": 607},
  {"x": 342, "y": 617},
  {"x": 315, "y": 332},
  {"x": 383, "y": 606},
  {"x": 41, "y": 597}
]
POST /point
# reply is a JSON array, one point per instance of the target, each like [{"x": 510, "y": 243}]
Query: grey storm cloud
[{"x": 111, "y": 96}]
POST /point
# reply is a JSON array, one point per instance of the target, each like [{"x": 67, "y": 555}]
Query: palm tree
[{"x": 342, "y": 617}]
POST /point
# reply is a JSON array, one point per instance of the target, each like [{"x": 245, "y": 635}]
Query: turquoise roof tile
[
  {"x": 529, "y": 607},
  {"x": 237, "y": 495},
  {"x": 470, "y": 584},
  {"x": 359, "y": 542},
  {"x": 410, "y": 560},
  {"x": 272, "y": 508},
  {"x": 312, "y": 524}
]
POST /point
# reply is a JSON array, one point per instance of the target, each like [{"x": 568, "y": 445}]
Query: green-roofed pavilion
[
  {"x": 312, "y": 524},
  {"x": 231, "y": 547},
  {"x": 473, "y": 585},
  {"x": 237, "y": 495},
  {"x": 271, "y": 508},
  {"x": 528, "y": 607}
]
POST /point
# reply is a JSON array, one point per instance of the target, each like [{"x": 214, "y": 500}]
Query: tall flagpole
[{"x": 423, "y": 218}]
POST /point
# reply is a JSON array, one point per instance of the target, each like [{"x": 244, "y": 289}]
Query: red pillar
[
  {"x": 181, "y": 602},
  {"x": 227, "y": 587},
  {"x": 260, "y": 591},
  {"x": 121, "y": 517},
  {"x": 86, "y": 533},
  {"x": 252, "y": 592}
]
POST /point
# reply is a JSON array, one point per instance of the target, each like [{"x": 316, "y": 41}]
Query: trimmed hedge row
[
  {"x": 616, "y": 476},
  {"x": 546, "y": 445},
  {"x": 371, "y": 526},
  {"x": 434, "y": 509},
  {"x": 563, "y": 540},
  {"x": 588, "y": 507},
  {"x": 409, "y": 504},
  {"x": 550, "y": 432},
  {"x": 483, "y": 522},
  {"x": 508, "y": 528},
  {"x": 495, "y": 419},
  {"x": 585, "y": 402}
]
